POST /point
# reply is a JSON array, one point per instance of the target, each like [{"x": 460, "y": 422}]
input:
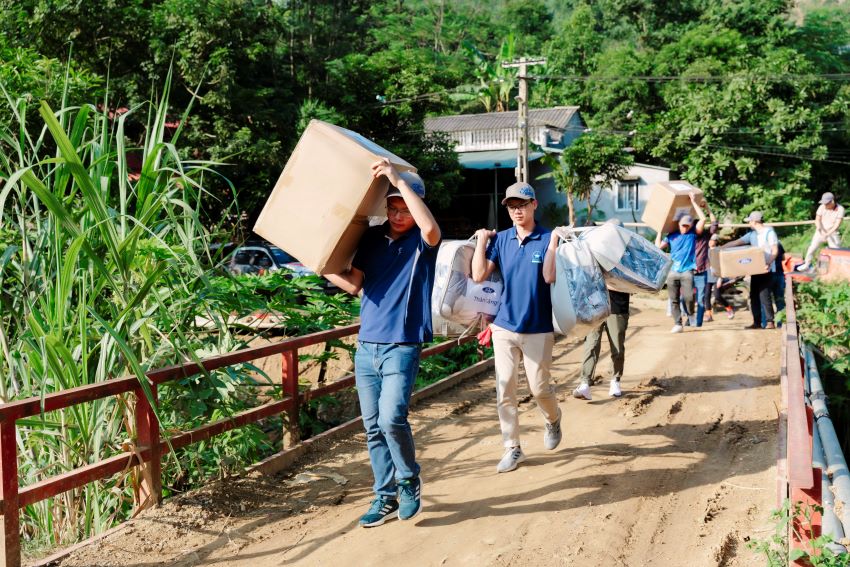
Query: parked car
[{"x": 262, "y": 257}]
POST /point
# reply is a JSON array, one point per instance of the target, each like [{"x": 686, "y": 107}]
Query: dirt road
[{"x": 680, "y": 471}]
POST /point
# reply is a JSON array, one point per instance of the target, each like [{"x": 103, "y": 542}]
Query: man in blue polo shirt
[
  {"x": 523, "y": 324},
  {"x": 394, "y": 267},
  {"x": 683, "y": 247}
]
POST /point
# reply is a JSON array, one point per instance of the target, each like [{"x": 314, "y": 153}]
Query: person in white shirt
[
  {"x": 761, "y": 288},
  {"x": 827, "y": 222}
]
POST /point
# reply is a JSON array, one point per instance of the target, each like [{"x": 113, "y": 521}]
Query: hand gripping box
[
  {"x": 737, "y": 261},
  {"x": 668, "y": 202},
  {"x": 321, "y": 204}
]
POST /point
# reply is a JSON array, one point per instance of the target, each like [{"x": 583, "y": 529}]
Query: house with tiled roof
[{"x": 486, "y": 145}]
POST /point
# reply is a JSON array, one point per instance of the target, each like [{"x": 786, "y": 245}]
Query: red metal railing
[
  {"x": 803, "y": 481},
  {"x": 150, "y": 447}
]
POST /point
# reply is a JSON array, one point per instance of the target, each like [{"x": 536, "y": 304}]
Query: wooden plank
[
  {"x": 211, "y": 429},
  {"x": 343, "y": 383},
  {"x": 76, "y": 478},
  {"x": 11, "y": 542},
  {"x": 147, "y": 436},
  {"x": 799, "y": 453},
  {"x": 289, "y": 377},
  {"x": 245, "y": 355},
  {"x": 73, "y": 396}
]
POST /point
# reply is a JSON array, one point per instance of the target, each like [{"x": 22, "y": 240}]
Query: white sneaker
[
  {"x": 692, "y": 319},
  {"x": 512, "y": 457},
  {"x": 552, "y": 435},
  {"x": 582, "y": 392},
  {"x": 614, "y": 391},
  {"x": 804, "y": 267},
  {"x": 676, "y": 329}
]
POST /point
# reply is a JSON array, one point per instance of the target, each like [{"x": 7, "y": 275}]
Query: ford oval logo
[{"x": 488, "y": 290}]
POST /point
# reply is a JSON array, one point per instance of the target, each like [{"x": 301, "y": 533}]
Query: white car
[{"x": 261, "y": 258}]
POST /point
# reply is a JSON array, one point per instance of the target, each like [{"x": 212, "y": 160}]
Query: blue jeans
[
  {"x": 384, "y": 374},
  {"x": 700, "y": 279}
]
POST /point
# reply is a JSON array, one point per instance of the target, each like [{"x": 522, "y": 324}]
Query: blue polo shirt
[
  {"x": 683, "y": 250},
  {"x": 526, "y": 301},
  {"x": 397, "y": 283}
]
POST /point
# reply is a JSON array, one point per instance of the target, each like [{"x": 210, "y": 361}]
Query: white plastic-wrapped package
[
  {"x": 457, "y": 302},
  {"x": 631, "y": 263},
  {"x": 579, "y": 298}
]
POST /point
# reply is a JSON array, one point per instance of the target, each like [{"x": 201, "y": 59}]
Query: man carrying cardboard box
[
  {"x": 525, "y": 255},
  {"x": 683, "y": 245},
  {"x": 394, "y": 267},
  {"x": 827, "y": 222},
  {"x": 761, "y": 285}
]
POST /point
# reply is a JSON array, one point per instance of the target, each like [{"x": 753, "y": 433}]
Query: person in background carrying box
[
  {"x": 523, "y": 323},
  {"x": 682, "y": 246},
  {"x": 703, "y": 296},
  {"x": 761, "y": 285},
  {"x": 615, "y": 327},
  {"x": 827, "y": 222},
  {"x": 394, "y": 267}
]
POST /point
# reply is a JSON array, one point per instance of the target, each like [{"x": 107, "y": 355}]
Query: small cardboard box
[
  {"x": 321, "y": 204},
  {"x": 737, "y": 261},
  {"x": 668, "y": 202}
]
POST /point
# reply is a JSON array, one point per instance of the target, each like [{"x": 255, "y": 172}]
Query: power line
[
  {"x": 694, "y": 78},
  {"x": 777, "y": 154}
]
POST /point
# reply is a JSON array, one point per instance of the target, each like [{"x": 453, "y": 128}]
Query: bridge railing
[
  {"x": 150, "y": 446},
  {"x": 800, "y": 480}
]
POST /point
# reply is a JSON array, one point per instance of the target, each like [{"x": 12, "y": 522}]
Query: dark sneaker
[
  {"x": 410, "y": 498},
  {"x": 382, "y": 507}
]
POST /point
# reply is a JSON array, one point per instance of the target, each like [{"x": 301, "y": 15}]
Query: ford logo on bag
[{"x": 488, "y": 290}]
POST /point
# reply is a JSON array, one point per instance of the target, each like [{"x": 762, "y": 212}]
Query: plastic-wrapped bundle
[
  {"x": 579, "y": 298},
  {"x": 457, "y": 302},
  {"x": 630, "y": 262}
]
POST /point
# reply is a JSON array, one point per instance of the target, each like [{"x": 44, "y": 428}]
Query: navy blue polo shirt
[
  {"x": 526, "y": 301},
  {"x": 397, "y": 283}
]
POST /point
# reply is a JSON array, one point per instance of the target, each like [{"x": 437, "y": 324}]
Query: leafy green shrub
[
  {"x": 775, "y": 547},
  {"x": 824, "y": 316}
]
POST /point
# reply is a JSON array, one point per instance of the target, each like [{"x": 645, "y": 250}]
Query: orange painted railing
[
  {"x": 802, "y": 482},
  {"x": 150, "y": 446}
]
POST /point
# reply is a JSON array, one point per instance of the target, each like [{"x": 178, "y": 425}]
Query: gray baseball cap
[
  {"x": 519, "y": 190},
  {"x": 755, "y": 216},
  {"x": 413, "y": 180},
  {"x": 686, "y": 219},
  {"x": 827, "y": 198}
]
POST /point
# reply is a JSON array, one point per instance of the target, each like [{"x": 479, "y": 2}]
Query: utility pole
[{"x": 522, "y": 114}]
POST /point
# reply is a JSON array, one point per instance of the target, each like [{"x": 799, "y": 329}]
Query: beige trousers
[{"x": 536, "y": 351}]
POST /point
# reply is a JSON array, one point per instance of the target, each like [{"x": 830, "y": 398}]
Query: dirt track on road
[{"x": 679, "y": 471}]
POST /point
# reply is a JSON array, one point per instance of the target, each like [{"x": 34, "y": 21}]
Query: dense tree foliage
[{"x": 747, "y": 99}]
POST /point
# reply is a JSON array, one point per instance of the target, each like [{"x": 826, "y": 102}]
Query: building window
[{"x": 628, "y": 196}]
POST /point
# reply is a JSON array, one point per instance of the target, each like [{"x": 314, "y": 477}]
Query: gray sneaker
[
  {"x": 510, "y": 459},
  {"x": 552, "y": 435}
]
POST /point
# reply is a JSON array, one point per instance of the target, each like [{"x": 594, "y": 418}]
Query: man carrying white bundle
[{"x": 523, "y": 323}]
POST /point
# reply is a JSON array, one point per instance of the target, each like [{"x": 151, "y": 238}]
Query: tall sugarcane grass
[{"x": 100, "y": 277}]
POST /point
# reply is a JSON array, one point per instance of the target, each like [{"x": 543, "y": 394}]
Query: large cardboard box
[
  {"x": 737, "y": 261},
  {"x": 321, "y": 204},
  {"x": 668, "y": 202}
]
